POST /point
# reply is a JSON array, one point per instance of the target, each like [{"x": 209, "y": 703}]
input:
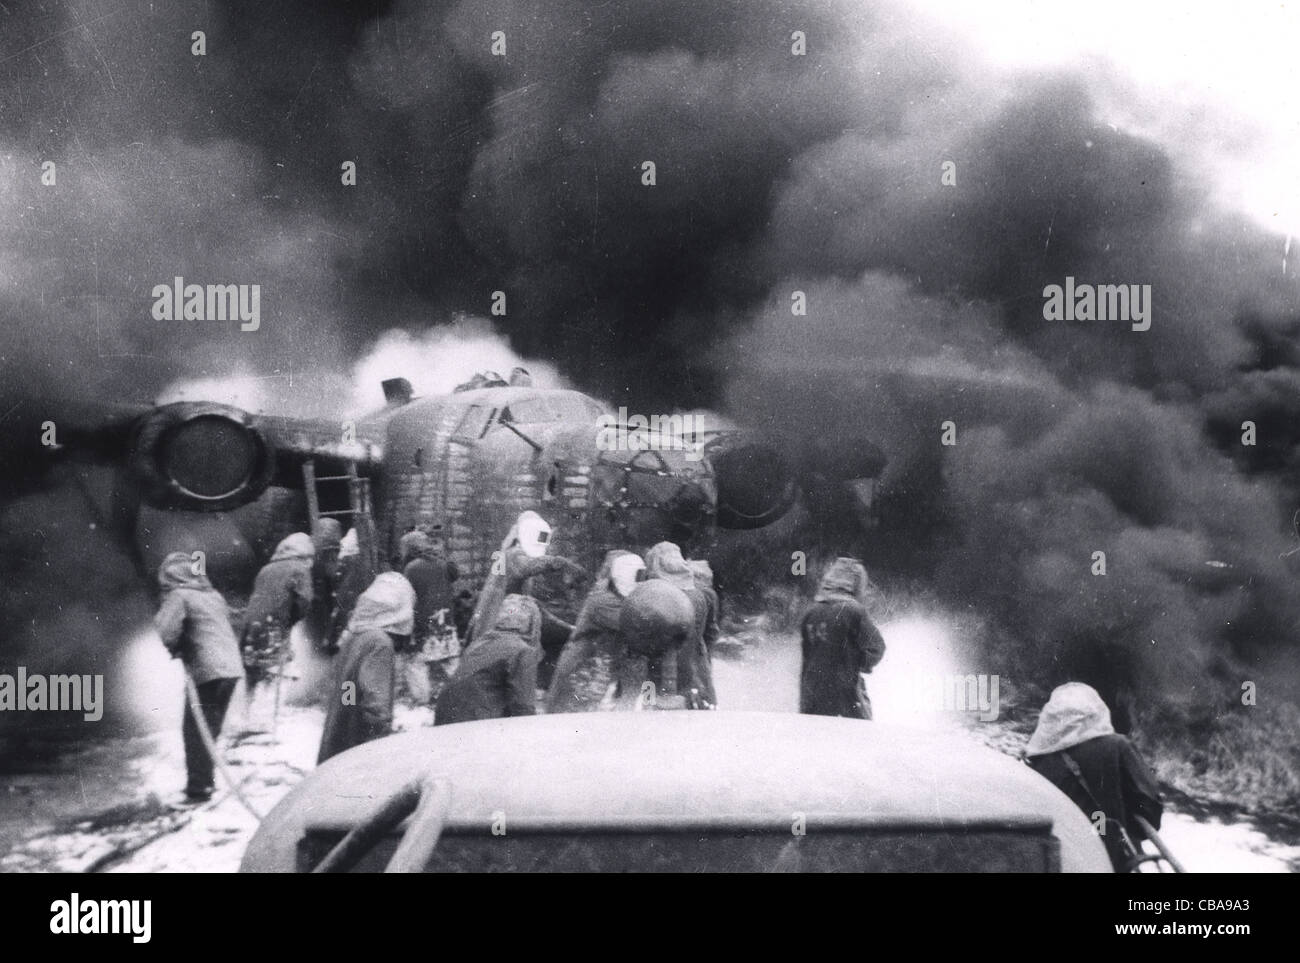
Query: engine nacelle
[
  {"x": 755, "y": 484},
  {"x": 200, "y": 456}
]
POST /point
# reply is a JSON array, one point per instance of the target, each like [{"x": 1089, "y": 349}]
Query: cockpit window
[
  {"x": 474, "y": 424},
  {"x": 550, "y": 408}
]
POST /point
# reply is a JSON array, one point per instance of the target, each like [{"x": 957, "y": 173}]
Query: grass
[{"x": 1247, "y": 756}]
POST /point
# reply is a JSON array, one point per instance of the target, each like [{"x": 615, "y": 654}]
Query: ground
[{"x": 106, "y": 807}]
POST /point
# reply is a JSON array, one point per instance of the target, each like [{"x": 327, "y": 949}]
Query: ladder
[{"x": 359, "y": 508}]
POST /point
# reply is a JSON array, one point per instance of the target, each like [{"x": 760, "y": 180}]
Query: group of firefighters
[{"x": 643, "y": 637}]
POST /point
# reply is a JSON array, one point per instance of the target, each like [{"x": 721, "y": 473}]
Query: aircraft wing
[{"x": 206, "y": 456}]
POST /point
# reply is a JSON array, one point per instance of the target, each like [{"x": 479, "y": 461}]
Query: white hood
[{"x": 1074, "y": 714}]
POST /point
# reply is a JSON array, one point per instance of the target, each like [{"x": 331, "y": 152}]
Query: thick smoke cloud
[
  {"x": 775, "y": 173},
  {"x": 925, "y": 305}
]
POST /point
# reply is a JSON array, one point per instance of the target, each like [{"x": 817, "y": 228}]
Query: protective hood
[
  {"x": 413, "y": 545},
  {"x": 845, "y": 579},
  {"x": 519, "y": 616},
  {"x": 1074, "y": 714},
  {"x": 623, "y": 573},
  {"x": 349, "y": 546},
  {"x": 296, "y": 546},
  {"x": 389, "y": 604},
  {"x": 327, "y": 535},
  {"x": 177, "y": 571},
  {"x": 607, "y": 566},
  {"x": 532, "y": 534},
  {"x": 702, "y": 571},
  {"x": 664, "y": 561}
]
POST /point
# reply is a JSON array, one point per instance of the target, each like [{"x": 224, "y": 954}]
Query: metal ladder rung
[
  {"x": 359, "y": 507},
  {"x": 312, "y": 482}
]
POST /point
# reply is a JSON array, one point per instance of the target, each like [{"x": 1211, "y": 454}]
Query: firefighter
[
  {"x": 281, "y": 596},
  {"x": 703, "y": 573},
  {"x": 523, "y": 557},
  {"x": 840, "y": 645},
  {"x": 497, "y": 674},
  {"x": 407, "y": 548},
  {"x": 657, "y": 620},
  {"x": 326, "y": 538},
  {"x": 360, "y": 703},
  {"x": 694, "y": 666},
  {"x": 194, "y": 624},
  {"x": 351, "y": 582},
  {"x": 433, "y": 577},
  {"x": 1076, "y": 748},
  {"x": 586, "y": 668}
]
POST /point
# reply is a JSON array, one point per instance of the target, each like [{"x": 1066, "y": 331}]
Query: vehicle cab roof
[{"x": 679, "y": 770}]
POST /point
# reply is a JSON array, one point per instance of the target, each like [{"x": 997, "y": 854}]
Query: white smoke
[
  {"x": 242, "y": 389},
  {"x": 434, "y": 360},
  {"x": 438, "y": 359}
]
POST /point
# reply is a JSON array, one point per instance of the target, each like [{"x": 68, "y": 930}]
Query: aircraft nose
[
  {"x": 656, "y": 496},
  {"x": 691, "y": 507}
]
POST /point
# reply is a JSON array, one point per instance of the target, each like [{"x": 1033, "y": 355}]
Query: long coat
[
  {"x": 324, "y": 579},
  {"x": 434, "y": 579},
  {"x": 839, "y": 643},
  {"x": 350, "y": 582},
  {"x": 360, "y": 704},
  {"x": 586, "y": 664},
  {"x": 497, "y": 674},
  {"x": 694, "y": 661},
  {"x": 1076, "y": 721},
  {"x": 194, "y": 622},
  {"x": 695, "y": 664},
  {"x": 283, "y": 588}
]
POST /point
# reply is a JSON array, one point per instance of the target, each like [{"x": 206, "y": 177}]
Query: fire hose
[
  {"x": 210, "y": 744},
  {"x": 1159, "y": 844}
]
